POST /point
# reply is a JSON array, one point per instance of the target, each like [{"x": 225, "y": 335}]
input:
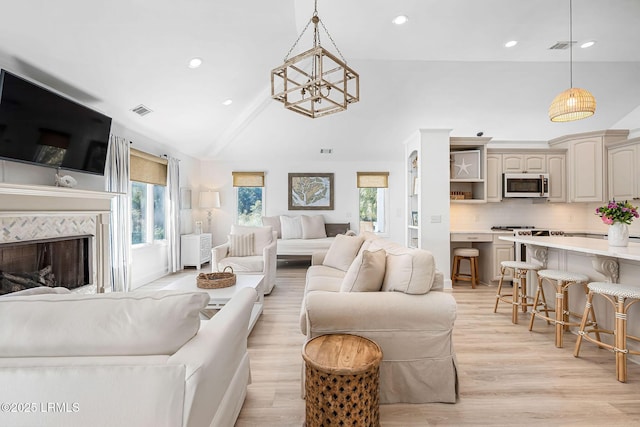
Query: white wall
[
  {"x": 217, "y": 176},
  {"x": 23, "y": 173},
  {"x": 149, "y": 262}
]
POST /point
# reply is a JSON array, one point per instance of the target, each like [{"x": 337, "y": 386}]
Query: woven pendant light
[{"x": 574, "y": 103}]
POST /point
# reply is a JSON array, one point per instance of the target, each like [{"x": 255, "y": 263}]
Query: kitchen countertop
[{"x": 580, "y": 244}]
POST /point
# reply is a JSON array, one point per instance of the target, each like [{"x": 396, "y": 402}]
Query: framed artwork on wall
[
  {"x": 185, "y": 198},
  {"x": 310, "y": 191},
  {"x": 465, "y": 164},
  {"x": 414, "y": 218}
]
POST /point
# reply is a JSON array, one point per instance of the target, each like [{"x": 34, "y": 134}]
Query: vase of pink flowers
[{"x": 618, "y": 215}]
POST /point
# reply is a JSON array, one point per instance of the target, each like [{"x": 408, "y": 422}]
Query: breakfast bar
[{"x": 592, "y": 257}]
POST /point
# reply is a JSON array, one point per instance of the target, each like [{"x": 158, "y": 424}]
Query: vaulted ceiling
[{"x": 446, "y": 68}]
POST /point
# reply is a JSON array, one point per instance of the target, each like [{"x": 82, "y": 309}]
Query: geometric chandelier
[
  {"x": 315, "y": 83},
  {"x": 573, "y": 103}
]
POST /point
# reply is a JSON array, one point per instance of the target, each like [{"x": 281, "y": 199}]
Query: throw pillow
[
  {"x": 241, "y": 244},
  {"x": 411, "y": 273},
  {"x": 291, "y": 227},
  {"x": 313, "y": 227},
  {"x": 263, "y": 236},
  {"x": 342, "y": 251},
  {"x": 365, "y": 273},
  {"x": 274, "y": 223}
]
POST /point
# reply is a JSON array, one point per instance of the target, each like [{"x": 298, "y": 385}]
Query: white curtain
[
  {"x": 117, "y": 181},
  {"x": 173, "y": 213}
]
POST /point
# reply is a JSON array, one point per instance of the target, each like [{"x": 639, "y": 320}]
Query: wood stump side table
[{"x": 342, "y": 383}]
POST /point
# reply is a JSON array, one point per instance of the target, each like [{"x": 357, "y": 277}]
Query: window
[
  {"x": 148, "y": 195},
  {"x": 249, "y": 197},
  {"x": 147, "y": 213},
  {"x": 373, "y": 201}
]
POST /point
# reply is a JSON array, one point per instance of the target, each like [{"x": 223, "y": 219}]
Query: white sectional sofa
[
  {"x": 116, "y": 359},
  {"x": 303, "y": 234},
  {"x": 394, "y": 296}
]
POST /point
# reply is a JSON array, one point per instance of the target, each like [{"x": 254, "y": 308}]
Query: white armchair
[{"x": 257, "y": 255}]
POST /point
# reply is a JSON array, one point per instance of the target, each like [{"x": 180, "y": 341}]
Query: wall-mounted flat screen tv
[{"x": 41, "y": 127}]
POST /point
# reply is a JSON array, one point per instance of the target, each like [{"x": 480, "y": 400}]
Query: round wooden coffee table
[{"x": 342, "y": 381}]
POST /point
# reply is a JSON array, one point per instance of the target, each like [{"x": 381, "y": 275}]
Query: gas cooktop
[{"x": 512, "y": 227}]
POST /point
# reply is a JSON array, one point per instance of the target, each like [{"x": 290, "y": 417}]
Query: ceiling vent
[
  {"x": 561, "y": 45},
  {"x": 141, "y": 110},
  {"x": 326, "y": 150}
]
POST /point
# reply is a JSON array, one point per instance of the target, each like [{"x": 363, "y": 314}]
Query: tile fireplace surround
[{"x": 36, "y": 212}]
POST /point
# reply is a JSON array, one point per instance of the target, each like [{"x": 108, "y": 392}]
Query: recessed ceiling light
[
  {"x": 400, "y": 20},
  {"x": 511, "y": 43},
  {"x": 227, "y": 102},
  {"x": 195, "y": 62},
  {"x": 587, "y": 44}
]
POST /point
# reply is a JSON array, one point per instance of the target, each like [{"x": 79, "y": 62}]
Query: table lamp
[{"x": 209, "y": 200}]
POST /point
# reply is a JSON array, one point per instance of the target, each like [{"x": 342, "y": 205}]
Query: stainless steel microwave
[{"x": 525, "y": 185}]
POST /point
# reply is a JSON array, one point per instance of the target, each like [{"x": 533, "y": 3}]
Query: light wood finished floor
[{"x": 508, "y": 375}]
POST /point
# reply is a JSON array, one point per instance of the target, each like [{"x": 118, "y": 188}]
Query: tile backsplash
[
  {"x": 541, "y": 214},
  {"x": 24, "y": 228}
]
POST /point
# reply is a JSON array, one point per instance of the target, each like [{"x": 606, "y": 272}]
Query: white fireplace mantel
[{"x": 30, "y": 212}]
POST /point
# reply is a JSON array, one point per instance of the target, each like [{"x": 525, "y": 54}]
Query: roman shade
[
  {"x": 147, "y": 168},
  {"x": 248, "y": 179},
  {"x": 373, "y": 179}
]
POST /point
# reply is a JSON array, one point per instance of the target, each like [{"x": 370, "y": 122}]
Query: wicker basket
[{"x": 216, "y": 280}]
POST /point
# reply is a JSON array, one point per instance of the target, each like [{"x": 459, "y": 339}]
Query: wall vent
[
  {"x": 562, "y": 45},
  {"x": 141, "y": 110},
  {"x": 326, "y": 150}
]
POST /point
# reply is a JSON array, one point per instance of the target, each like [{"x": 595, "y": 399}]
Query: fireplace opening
[{"x": 49, "y": 262}]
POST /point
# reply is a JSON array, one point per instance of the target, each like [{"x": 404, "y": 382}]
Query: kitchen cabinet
[
  {"x": 623, "y": 163},
  {"x": 524, "y": 163},
  {"x": 494, "y": 177},
  {"x": 195, "y": 249},
  {"x": 556, "y": 168},
  {"x": 472, "y": 189},
  {"x": 586, "y": 167},
  {"x": 492, "y": 255}
]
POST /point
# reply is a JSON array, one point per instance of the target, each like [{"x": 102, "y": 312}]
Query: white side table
[{"x": 195, "y": 249}]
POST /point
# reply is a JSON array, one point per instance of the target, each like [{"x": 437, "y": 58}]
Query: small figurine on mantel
[{"x": 65, "y": 180}]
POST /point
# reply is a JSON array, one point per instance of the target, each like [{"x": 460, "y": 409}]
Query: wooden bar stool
[
  {"x": 561, "y": 280},
  {"x": 519, "y": 297},
  {"x": 472, "y": 255},
  {"x": 616, "y": 294}
]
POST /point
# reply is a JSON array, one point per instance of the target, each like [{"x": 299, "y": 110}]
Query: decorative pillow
[
  {"x": 291, "y": 227},
  {"x": 412, "y": 272},
  {"x": 342, "y": 251},
  {"x": 263, "y": 236},
  {"x": 365, "y": 273},
  {"x": 274, "y": 223},
  {"x": 241, "y": 244},
  {"x": 313, "y": 227},
  {"x": 337, "y": 228}
]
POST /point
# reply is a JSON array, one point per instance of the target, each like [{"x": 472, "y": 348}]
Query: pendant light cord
[{"x": 571, "y": 43}]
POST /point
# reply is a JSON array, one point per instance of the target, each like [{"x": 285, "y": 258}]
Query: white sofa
[
  {"x": 402, "y": 308},
  {"x": 303, "y": 234},
  {"x": 260, "y": 258},
  {"x": 123, "y": 359}
]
